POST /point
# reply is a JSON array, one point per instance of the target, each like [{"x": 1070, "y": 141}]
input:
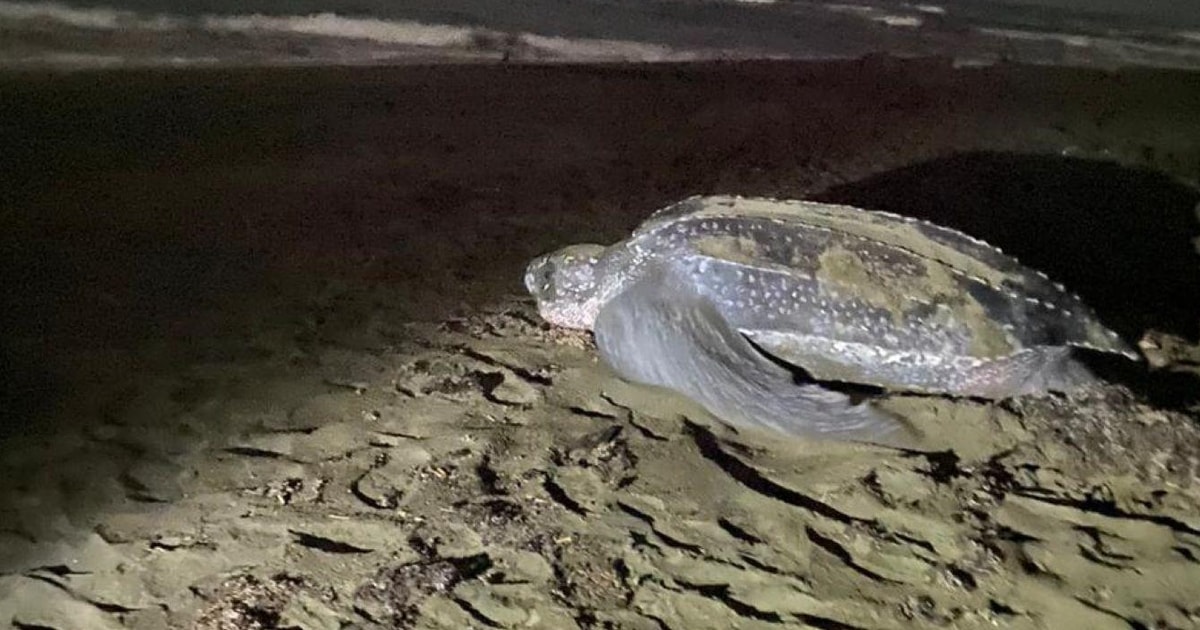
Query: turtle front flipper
[{"x": 663, "y": 332}]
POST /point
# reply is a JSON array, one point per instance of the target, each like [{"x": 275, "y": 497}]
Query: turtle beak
[
  {"x": 533, "y": 273},
  {"x": 529, "y": 281}
]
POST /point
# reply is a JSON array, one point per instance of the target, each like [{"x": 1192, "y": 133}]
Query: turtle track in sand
[{"x": 487, "y": 472}]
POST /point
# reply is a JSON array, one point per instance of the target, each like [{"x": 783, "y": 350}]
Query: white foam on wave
[
  {"x": 106, "y": 19},
  {"x": 332, "y": 25},
  {"x": 607, "y": 49},
  {"x": 1078, "y": 41},
  {"x": 931, "y": 9},
  {"x": 410, "y": 33},
  {"x": 94, "y": 18},
  {"x": 900, "y": 21},
  {"x": 875, "y": 14},
  {"x": 320, "y": 24}
]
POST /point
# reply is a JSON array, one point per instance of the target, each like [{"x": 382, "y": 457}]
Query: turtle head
[{"x": 565, "y": 285}]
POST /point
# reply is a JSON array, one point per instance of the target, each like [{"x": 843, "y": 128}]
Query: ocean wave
[
  {"x": 321, "y": 37},
  {"x": 57, "y": 34}
]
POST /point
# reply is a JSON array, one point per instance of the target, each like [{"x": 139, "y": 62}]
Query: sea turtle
[{"x": 719, "y": 298}]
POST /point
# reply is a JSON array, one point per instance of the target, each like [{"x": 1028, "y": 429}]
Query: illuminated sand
[{"x": 271, "y": 361}]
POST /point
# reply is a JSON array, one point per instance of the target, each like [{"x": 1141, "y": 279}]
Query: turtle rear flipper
[
  {"x": 1033, "y": 371},
  {"x": 663, "y": 332}
]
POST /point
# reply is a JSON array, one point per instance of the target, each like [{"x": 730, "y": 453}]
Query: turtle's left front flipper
[{"x": 663, "y": 332}]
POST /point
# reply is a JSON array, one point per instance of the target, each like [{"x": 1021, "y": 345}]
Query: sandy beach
[{"x": 268, "y": 362}]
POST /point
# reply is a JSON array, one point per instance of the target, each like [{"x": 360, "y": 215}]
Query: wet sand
[{"x": 268, "y": 363}]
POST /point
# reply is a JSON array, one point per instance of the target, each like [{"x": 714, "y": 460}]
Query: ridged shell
[{"x": 908, "y": 267}]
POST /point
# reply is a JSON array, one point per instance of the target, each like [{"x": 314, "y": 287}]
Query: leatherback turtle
[{"x": 720, "y": 298}]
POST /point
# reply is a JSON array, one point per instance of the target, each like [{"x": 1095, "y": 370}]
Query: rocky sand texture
[{"x": 268, "y": 363}]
